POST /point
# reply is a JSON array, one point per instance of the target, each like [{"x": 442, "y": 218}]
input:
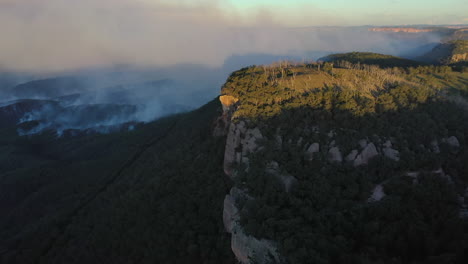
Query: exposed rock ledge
[
  {"x": 247, "y": 249},
  {"x": 240, "y": 142}
]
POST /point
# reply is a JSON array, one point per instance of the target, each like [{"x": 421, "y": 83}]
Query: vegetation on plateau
[{"x": 327, "y": 218}]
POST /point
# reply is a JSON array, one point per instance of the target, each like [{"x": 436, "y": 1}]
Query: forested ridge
[{"x": 331, "y": 215}]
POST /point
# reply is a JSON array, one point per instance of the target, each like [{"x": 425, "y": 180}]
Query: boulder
[
  {"x": 377, "y": 194},
  {"x": 314, "y": 148},
  {"x": 352, "y": 155},
  {"x": 369, "y": 152},
  {"x": 453, "y": 142},
  {"x": 391, "y": 153},
  {"x": 334, "y": 155}
]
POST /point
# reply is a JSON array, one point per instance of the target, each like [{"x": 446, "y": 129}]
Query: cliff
[
  {"x": 402, "y": 29},
  {"x": 448, "y": 53}
]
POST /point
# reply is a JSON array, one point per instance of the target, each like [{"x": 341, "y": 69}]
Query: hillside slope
[{"x": 153, "y": 195}]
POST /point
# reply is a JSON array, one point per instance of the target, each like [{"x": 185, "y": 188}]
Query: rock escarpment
[
  {"x": 246, "y": 248},
  {"x": 242, "y": 141}
]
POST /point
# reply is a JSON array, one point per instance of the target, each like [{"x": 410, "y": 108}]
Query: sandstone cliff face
[
  {"x": 241, "y": 141},
  {"x": 246, "y": 248},
  {"x": 459, "y": 57},
  {"x": 401, "y": 30}
]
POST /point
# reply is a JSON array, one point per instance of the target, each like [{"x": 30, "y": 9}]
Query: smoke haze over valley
[{"x": 161, "y": 57}]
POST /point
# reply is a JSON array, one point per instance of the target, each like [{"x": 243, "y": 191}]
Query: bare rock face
[
  {"x": 392, "y": 154},
  {"x": 246, "y": 248},
  {"x": 352, "y": 155},
  {"x": 366, "y": 154},
  {"x": 314, "y": 148},
  {"x": 249, "y": 143},
  {"x": 459, "y": 57},
  {"x": 334, "y": 155},
  {"x": 232, "y": 142},
  {"x": 228, "y": 102},
  {"x": 240, "y": 142},
  {"x": 230, "y": 213},
  {"x": 452, "y": 141},
  {"x": 377, "y": 194}
]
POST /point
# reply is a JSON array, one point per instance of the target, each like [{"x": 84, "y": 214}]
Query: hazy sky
[
  {"x": 356, "y": 12},
  {"x": 55, "y": 35},
  {"x": 377, "y": 12}
]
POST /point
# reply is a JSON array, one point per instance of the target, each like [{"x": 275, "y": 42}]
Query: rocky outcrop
[
  {"x": 240, "y": 142},
  {"x": 459, "y": 57},
  {"x": 230, "y": 213},
  {"x": 222, "y": 124},
  {"x": 369, "y": 152},
  {"x": 311, "y": 150},
  {"x": 401, "y": 29},
  {"x": 389, "y": 152},
  {"x": 228, "y": 102},
  {"x": 452, "y": 141},
  {"x": 246, "y": 248},
  {"x": 232, "y": 143},
  {"x": 377, "y": 194},
  {"x": 334, "y": 155},
  {"x": 352, "y": 155}
]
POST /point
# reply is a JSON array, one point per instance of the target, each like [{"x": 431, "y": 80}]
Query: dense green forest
[{"x": 370, "y": 58}]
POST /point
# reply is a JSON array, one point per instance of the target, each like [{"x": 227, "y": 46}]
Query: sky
[
  {"x": 359, "y": 12},
  {"x": 344, "y": 12},
  {"x": 60, "y": 35}
]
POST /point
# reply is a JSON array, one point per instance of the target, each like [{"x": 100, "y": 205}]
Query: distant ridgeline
[{"x": 342, "y": 162}]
